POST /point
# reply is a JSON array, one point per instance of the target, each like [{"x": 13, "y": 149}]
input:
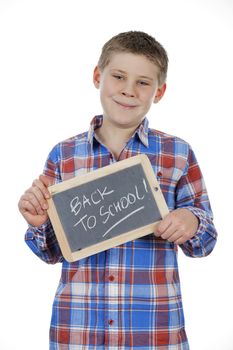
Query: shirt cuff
[
  {"x": 202, "y": 218},
  {"x": 42, "y": 234}
]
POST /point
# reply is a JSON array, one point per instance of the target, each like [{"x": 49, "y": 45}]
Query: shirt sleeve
[
  {"x": 42, "y": 240},
  {"x": 191, "y": 194}
]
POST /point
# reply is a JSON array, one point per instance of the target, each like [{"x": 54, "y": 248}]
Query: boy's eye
[
  {"x": 117, "y": 76},
  {"x": 141, "y": 82}
]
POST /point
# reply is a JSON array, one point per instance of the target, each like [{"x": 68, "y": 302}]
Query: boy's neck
[{"x": 114, "y": 138}]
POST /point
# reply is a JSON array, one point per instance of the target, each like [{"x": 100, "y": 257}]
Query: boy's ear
[
  {"x": 160, "y": 92},
  {"x": 96, "y": 77}
]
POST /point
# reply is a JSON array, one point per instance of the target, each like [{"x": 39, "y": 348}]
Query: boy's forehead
[{"x": 129, "y": 62}]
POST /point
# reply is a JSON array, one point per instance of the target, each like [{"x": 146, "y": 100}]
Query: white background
[{"x": 48, "y": 50}]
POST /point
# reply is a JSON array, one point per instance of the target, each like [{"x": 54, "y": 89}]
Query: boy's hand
[
  {"x": 33, "y": 203},
  {"x": 178, "y": 226}
]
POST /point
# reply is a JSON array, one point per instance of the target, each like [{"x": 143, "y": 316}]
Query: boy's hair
[{"x": 138, "y": 43}]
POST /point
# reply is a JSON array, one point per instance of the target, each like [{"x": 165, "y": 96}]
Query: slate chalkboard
[{"x": 106, "y": 207}]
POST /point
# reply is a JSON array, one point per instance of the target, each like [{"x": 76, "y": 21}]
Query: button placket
[{"x": 112, "y": 297}]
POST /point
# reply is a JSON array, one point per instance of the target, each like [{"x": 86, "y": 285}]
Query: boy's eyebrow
[
  {"x": 145, "y": 77},
  {"x": 123, "y": 72}
]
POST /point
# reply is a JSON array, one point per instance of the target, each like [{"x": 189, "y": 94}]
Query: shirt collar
[{"x": 142, "y": 130}]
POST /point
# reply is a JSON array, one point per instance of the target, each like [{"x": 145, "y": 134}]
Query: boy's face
[{"x": 128, "y": 86}]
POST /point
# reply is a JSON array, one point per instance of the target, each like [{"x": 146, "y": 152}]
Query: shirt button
[
  {"x": 110, "y": 322},
  {"x": 111, "y": 278},
  {"x": 159, "y": 174}
]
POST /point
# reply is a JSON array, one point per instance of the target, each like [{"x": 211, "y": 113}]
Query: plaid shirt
[{"x": 128, "y": 296}]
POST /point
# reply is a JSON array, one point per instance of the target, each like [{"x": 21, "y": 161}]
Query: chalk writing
[
  {"x": 95, "y": 197},
  {"x": 98, "y": 197},
  {"x": 123, "y": 219}
]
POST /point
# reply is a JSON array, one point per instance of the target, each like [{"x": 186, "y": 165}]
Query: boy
[{"x": 129, "y": 296}]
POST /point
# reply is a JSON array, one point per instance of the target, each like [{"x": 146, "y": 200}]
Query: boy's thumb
[{"x": 46, "y": 180}]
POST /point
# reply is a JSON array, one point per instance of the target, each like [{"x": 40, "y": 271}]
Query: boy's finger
[
  {"x": 42, "y": 184},
  {"x": 40, "y": 195},
  {"x": 169, "y": 232},
  {"x": 163, "y": 226},
  {"x": 35, "y": 197},
  {"x": 34, "y": 210},
  {"x": 25, "y": 206},
  {"x": 46, "y": 180}
]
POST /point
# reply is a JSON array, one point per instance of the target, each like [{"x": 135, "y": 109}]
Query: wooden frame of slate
[{"x": 105, "y": 208}]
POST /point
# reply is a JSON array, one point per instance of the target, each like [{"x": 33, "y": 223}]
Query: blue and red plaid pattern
[{"x": 129, "y": 296}]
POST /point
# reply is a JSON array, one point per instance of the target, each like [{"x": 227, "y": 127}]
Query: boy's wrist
[
  {"x": 200, "y": 215},
  {"x": 41, "y": 227}
]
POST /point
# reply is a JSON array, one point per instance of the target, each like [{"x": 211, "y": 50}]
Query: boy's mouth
[{"x": 125, "y": 105}]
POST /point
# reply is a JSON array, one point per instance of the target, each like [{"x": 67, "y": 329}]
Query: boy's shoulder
[
  {"x": 167, "y": 139},
  {"x": 82, "y": 137},
  {"x": 173, "y": 150},
  {"x": 68, "y": 147},
  {"x": 73, "y": 141}
]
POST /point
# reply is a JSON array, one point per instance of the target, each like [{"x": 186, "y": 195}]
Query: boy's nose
[
  {"x": 127, "y": 94},
  {"x": 128, "y": 90}
]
